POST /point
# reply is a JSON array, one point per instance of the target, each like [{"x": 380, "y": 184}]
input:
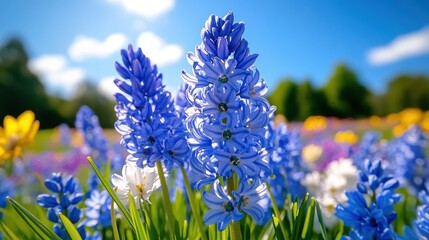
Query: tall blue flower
[
  {"x": 151, "y": 128},
  {"x": 287, "y": 165},
  {"x": 407, "y": 161},
  {"x": 95, "y": 141},
  {"x": 65, "y": 197},
  {"x": 228, "y": 117},
  {"x": 370, "y": 209}
]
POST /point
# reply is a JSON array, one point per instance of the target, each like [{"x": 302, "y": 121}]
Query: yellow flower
[
  {"x": 398, "y": 130},
  {"x": 346, "y": 137},
  {"x": 375, "y": 121},
  {"x": 311, "y": 153},
  {"x": 315, "y": 123},
  {"x": 17, "y": 134},
  {"x": 411, "y": 116}
]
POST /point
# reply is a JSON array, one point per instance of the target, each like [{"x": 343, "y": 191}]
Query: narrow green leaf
[
  {"x": 8, "y": 233},
  {"x": 340, "y": 232},
  {"x": 39, "y": 228},
  {"x": 111, "y": 192},
  {"x": 297, "y": 226},
  {"x": 114, "y": 225},
  {"x": 307, "y": 230},
  {"x": 321, "y": 222},
  {"x": 137, "y": 221},
  {"x": 70, "y": 228}
]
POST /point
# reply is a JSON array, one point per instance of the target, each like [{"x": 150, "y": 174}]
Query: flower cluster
[
  {"x": 370, "y": 208},
  {"x": 227, "y": 119},
  {"x": 151, "y": 129},
  {"x": 64, "y": 199}
]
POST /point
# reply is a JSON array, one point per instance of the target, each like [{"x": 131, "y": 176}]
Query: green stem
[
  {"x": 114, "y": 224},
  {"x": 166, "y": 197},
  {"x": 276, "y": 210},
  {"x": 194, "y": 206},
  {"x": 234, "y": 228}
]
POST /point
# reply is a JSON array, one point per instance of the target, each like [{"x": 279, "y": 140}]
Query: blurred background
[{"x": 345, "y": 59}]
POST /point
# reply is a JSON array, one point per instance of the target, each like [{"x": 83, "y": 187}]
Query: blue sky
[{"x": 69, "y": 41}]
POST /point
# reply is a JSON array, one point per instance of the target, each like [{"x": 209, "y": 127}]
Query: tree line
[
  {"x": 21, "y": 90},
  {"x": 343, "y": 95}
]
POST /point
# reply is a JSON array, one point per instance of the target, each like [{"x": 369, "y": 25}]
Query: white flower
[
  {"x": 140, "y": 182},
  {"x": 329, "y": 187}
]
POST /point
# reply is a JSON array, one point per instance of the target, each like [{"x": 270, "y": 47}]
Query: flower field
[{"x": 214, "y": 161}]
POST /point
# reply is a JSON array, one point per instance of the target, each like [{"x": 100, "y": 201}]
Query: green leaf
[
  {"x": 321, "y": 222},
  {"x": 70, "y": 228},
  {"x": 8, "y": 233},
  {"x": 300, "y": 217},
  {"x": 111, "y": 192},
  {"x": 308, "y": 230},
  {"x": 136, "y": 218},
  {"x": 39, "y": 228},
  {"x": 114, "y": 224}
]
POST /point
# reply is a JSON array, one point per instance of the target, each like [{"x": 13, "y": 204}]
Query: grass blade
[
  {"x": 114, "y": 225},
  {"x": 8, "y": 233},
  {"x": 307, "y": 230},
  {"x": 70, "y": 228},
  {"x": 135, "y": 216},
  {"x": 321, "y": 222},
  {"x": 38, "y": 227}
]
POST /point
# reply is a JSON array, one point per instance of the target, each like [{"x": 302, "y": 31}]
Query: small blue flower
[
  {"x": 223, "y": 208},
  {"x": 248, "y": 199},
  {"x": 98, "y": 210}
]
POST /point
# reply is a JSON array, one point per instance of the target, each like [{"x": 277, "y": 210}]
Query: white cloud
[
  {"x": 155, "y": 48},
  {"x": 146, "y": 8},
  {"x": 56, "y": 75},
  {"x": 107, "y": 87},
  {"x": 403, "y": 46},
  {"x": 85, "y": 47}
]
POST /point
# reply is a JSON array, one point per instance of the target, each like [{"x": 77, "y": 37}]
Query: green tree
[
  {"x": 284, "y": 97},
  {"x": 346, "y": 96},
  {"x": 406, "y": 91},
  {"x": 102, "y": 106},
  {"x": 20, "y": 89}
]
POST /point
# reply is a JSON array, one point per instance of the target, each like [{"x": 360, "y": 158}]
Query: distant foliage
[
  {"x": 21, "y": 90},
  {"x": 344, "y": 96}
]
